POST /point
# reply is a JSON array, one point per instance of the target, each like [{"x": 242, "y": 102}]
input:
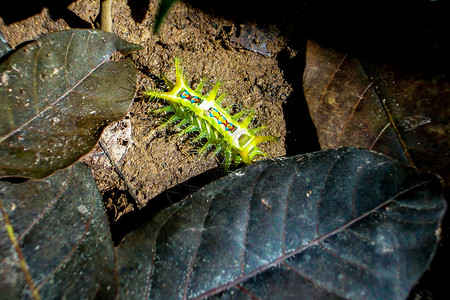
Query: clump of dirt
[{"x": 242, "y": 56}]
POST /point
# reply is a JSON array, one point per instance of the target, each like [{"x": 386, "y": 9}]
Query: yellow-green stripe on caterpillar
[{"x": 203, "y": 114}]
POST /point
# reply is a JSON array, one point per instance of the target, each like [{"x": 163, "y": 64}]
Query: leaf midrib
[
  {"x": 314, "y": 242},
  {"x": 12, "y": 132}
]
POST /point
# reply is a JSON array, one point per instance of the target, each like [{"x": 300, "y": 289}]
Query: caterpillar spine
[{"x": 203, "y": 114}]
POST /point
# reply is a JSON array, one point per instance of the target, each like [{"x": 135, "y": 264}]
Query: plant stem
[{"x": 105, "y": 15}]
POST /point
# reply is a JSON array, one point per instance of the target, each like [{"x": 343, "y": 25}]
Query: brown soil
[{"x": 137, "y": 159}]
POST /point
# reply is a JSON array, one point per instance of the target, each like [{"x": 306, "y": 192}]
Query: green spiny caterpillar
[{"x": 203, "y": 114}]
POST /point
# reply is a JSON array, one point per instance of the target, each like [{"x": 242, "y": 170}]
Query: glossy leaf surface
[
  {"x": 57, "y": 95},
  {"x": 63, "y": 238},
  {"x": 4, "y": 46},
  {"x": 345, "y": 223}
]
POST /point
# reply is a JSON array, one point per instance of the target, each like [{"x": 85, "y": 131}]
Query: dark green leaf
[
  {"x": 4, "y": 46},
  {"x": 62, "y": 231},
  {"x": 57, "y": 95},
  {"x": 164, "y": 7},
  {"x": 345, "y": 223}
]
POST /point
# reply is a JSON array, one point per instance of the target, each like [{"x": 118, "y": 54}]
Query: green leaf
[
  {"x": 345, "y": 223},
  {"x": 57, "y": 95},
  {"x": 164, "y": 7},
  {"x": 4, "y": 46},
  {"x": 63, "y": 238}
]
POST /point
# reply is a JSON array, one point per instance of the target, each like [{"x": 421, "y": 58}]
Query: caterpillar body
[{"x": 195, "y": 112}]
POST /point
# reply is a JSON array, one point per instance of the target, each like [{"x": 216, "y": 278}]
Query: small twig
[{"x": 121, "y": 176}]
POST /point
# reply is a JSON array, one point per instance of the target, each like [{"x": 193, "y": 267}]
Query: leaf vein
[
  {"x": 48, "y": 107},
  {"x": 194, "y": 256},
  {"x": 152, "y": 261}
]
